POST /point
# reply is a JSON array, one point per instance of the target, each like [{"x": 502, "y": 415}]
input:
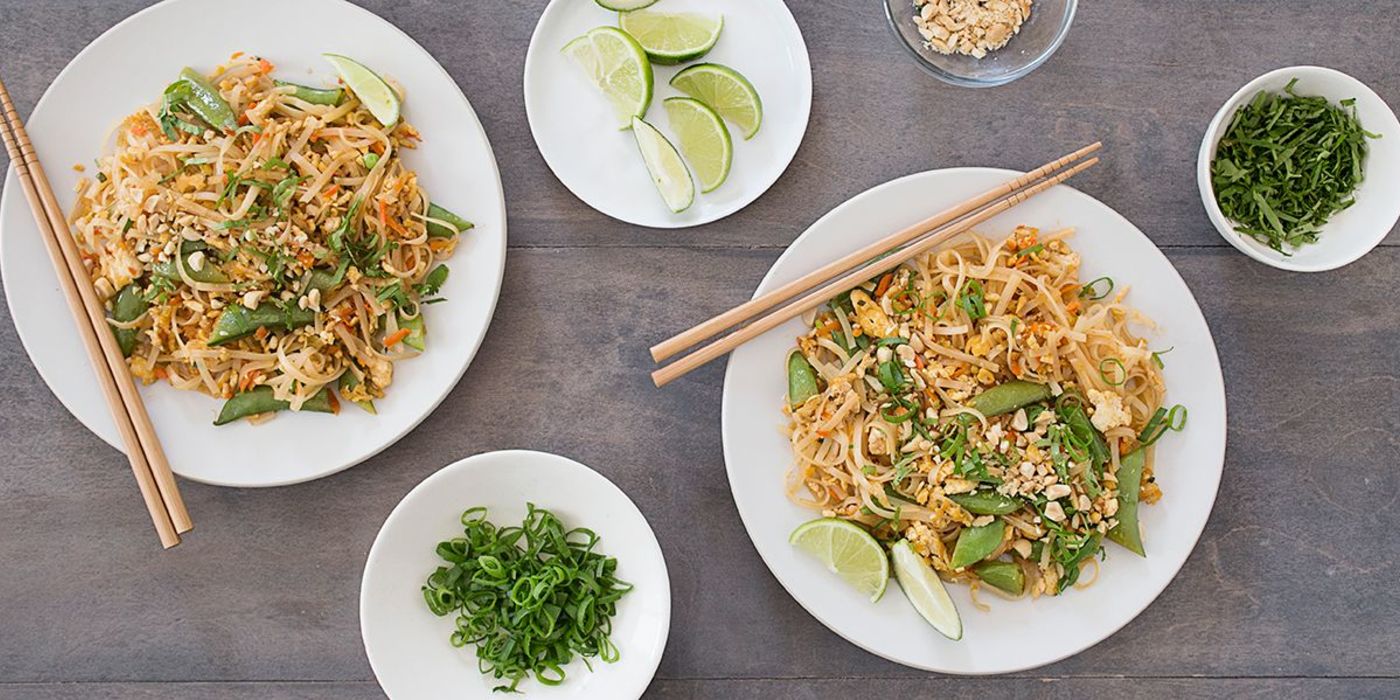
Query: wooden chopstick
[
  {"x": 733, "y": 340},
  {"x": 753, "y": 307},
  {"x": 148, "y": 462}
]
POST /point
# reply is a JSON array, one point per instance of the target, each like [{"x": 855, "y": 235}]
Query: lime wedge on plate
[
  {"x": 665, "y": 165},
  {"x": 925, "y": 590},
  {"x": 673, "y": 38},
  {"x": 624, "y": 5},
  {"x": 374, "y": 93},
  {"x": 703, "y": 139},
  {"x": 848, "y": 551},
  {"x": 616, "y": 63},
  {"x": 726, "y": 92}
]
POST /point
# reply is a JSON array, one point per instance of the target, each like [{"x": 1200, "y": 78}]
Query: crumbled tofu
[{"x": 1109, "y": 411}]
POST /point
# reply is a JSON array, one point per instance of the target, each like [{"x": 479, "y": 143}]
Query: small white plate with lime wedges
[{"x": 746, "y": 74}]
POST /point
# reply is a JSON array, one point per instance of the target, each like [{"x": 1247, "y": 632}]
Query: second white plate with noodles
[
  {"x": 127, "y": 68},
  {"x": 1014, "y": 634}
]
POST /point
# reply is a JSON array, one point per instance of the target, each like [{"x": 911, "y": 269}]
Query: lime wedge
[
  {"x": 665, "y": 165},
  {"x": 374, "y": 93},
  {"x": 703, "y": 139},
  {"x": 925, "y": 590},
  {"x": 616, "y": 63},
  {"x": 673, "y": 38},
  {"x": 726, "y": 92},
  {"x": 624, "y": 5},
  {"x": 848, "y": 551}
]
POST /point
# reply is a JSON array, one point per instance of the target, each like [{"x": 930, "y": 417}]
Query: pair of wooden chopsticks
[
  {"x": 900, "y": 247},
  {"x": 143, "y": 449}
]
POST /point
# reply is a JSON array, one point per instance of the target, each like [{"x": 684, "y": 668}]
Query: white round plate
[
  {"x": 1350, "y": 233},
  {"x": 408, "y": 645},
  {"x": 577, "y": 132},
  {"x": 127, "y": 68},
  {"x": 1013, "y": 635}
]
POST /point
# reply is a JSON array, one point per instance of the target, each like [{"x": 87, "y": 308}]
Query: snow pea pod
[
  {"x": 439, "y": 230},
  {"x": 128, "y": 306},
  {"x": 203, "y": 99},
  {"x": 1126, "y": 532},
  {"x": 240, "y": 321},
  {"x": 417, "y": 334},
  {"x": 977, "y": 543},
  {"x": 986, "y": 502},
  {"x": 316, "y": 96},
  {"x": 1004, "y": 575},
  {"x": 260, "y": 400},
  {"x": 208, "y": 273},
  {"x": 802, "y": 379},
  {"x": 1009, "y": 396}
]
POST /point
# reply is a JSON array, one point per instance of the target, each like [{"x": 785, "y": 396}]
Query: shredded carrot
[
  {"x": 919, "y": 361},
  {"x": 139, "y": 129},
  {"x": 1015, "y": 365},
  {"x": 884, "y": 285},
  {"x": 249, "y": 379},
  {"x": 335, "y": 403},
  {"x": 827, "y": 328},
  {"x": 260, "y": 333},
  {"x": 383, "y": 213},
  {"x": 396, "y": 337},
  {"x": 161, "y": 373},
  {"x": 1072, "y": 307},
  {"x": 235, "y": 55},
  {"x": 330, "y": 191},
  {"x": 264, "y": 65},
  {"x": 306, "y": 259}
]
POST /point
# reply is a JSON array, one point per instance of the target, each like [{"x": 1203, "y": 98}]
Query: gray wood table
[{"x": 1291, "y": 591}]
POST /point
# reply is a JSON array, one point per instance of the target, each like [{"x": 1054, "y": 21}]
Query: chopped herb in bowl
[
  {"x": 530, "y": 597},
  {"x": 1288, "y": 163}
]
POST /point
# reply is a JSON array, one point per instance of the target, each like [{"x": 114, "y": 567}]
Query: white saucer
[
  {"x": 577, "y": 132},
  {"x": 408, "y": 646}
]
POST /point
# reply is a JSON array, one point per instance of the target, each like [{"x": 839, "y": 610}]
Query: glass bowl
[{"x": 1040, "y": 35}]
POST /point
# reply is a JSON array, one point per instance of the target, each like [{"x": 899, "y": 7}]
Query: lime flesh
[
  {"x": 724, "y": 90},
  {"x": 374, "y": 93},
  {"x": 703, "y": 139},
  {"x": 664, "y": 164},
  {"x": 925, "y": 590},
  {"x": 616, "y": 63},
  {"x": 673, "y": 38},
  {"x": 848, "y": 551}
]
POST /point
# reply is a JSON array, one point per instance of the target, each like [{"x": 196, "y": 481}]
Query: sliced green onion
[
  {"x": 1113, "y": 362},
  {"x": 1089, "y": 292}
]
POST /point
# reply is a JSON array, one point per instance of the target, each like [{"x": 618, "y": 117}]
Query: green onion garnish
[
  {"x": 529, "y": 597},
  {"x": 1089, "y": 292},
  {"x": 1122, "y": 374}
]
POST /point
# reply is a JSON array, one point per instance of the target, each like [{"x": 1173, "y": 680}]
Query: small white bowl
[
  {"x": 408, "y": 646},
  {"x": 1351, "y": 233}
]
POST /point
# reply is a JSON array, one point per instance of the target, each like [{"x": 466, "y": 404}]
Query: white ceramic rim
[
  {"x": 1216, "y": 130},
  {"x": 12, "y": 185},
  {"x": 805, "y": 70},
  {"x": 443, "y": 474},
  {"x": 1214, "y": 486}
]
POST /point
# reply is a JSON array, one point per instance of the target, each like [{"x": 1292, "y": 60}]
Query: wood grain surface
[{"x": 1291, "y": 591}]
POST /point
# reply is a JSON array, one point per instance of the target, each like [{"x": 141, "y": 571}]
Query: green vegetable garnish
[
  {"x": 530, "y": 597},
  {"x": 1286, "y": 164}
]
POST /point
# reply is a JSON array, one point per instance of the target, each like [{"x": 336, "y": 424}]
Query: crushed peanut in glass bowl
[{"x": 980, "y": 43}]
